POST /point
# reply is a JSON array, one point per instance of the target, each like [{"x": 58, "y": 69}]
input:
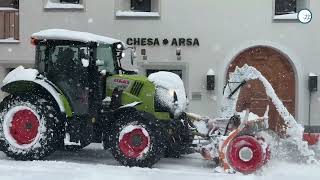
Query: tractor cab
[{"x": 78, "y": 64}]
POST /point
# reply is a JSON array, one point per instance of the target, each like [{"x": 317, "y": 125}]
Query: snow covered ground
[{"x": 93, "y": 163}]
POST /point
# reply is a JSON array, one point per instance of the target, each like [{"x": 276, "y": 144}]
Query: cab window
[{"x": 105, "y": 54}]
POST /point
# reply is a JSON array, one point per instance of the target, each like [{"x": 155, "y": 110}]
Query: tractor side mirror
[{"x": 133, "y": 54}]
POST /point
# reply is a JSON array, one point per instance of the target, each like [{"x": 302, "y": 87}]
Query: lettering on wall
[{"x": 192, "y": 42}]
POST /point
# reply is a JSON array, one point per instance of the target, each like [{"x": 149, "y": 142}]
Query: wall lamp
[{"x": 210, "y": 80}]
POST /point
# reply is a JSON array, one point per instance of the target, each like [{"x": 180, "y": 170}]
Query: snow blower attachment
[
  {"x": 235, "y": 144},
  {"x": 237, "y": 140}
]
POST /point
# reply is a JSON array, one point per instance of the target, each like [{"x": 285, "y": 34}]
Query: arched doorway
[{"x": 277, "y": 69}]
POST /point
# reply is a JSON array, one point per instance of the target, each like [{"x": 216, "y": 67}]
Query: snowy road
[{"x": 93, "y": 163}]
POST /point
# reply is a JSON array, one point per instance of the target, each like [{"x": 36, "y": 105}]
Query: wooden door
[{"x": 279, "y": 72}]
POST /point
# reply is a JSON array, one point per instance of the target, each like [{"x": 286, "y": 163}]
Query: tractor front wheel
[
  {"x": 137, "y": 140},
  {"x": 28, "y": 127}
]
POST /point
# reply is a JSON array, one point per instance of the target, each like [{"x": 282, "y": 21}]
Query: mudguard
[{"x": 22, "y": 80}]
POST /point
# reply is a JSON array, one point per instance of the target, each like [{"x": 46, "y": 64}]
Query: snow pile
[
  {"x": 210, "y": 72},
  {"x": 294, "y": 130},
  {"x": 286, "y": 16},
  {"x": 62, "y": 34},
  {"x": 312, "y": 74},
  {"x": 15, "y": 75},
  {"x": 167, "y": 85},
  {"x": 67, "y": 141},
  {"x": 137, "y": 14},
  {"x": 8, "y": 9},
  {"x": 94, "y": 163},
  {"x": 251, "y": 116}
]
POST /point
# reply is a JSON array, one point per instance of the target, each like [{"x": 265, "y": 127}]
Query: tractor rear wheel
[
  {"x": 28, "y": 127},
  {"x": 245, "y": 154},
  {"x": 137, "y": 139}
]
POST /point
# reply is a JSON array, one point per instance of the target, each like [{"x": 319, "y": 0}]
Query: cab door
[{"x": 68, "y": 69}]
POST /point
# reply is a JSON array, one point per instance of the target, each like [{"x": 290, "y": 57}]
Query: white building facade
[{"x": 189, "y": 37}]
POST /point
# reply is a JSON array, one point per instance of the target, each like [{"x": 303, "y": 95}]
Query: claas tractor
[{"x": 78, "y": 93}]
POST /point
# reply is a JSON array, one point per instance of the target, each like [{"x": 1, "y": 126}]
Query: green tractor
[{"x": 79, "y": 94}]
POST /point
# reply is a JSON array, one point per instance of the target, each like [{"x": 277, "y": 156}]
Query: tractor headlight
[{"x": 119, "y": 46}]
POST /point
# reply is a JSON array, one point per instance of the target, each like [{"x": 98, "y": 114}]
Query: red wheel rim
[
  {"x": 247, "y": 164},
  {"x": 24, "y": 126},
  {"x": 133, "y": 144}
]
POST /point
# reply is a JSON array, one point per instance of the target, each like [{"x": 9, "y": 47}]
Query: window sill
[
  {"x": 137, "y": 14},
  {"x": 9, "y": 41},
  {"x": 66, "y": 6},
  {"x": 293, "y": 16}
]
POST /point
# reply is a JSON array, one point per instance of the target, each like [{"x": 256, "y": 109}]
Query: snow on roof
[
  {"x": 62, "y": 34},
  {"x": 210, "y": 72},
  {"x": 312, "y": 74}
]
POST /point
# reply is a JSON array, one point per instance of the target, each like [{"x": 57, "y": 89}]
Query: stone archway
[{"x": 277, "y": 68}]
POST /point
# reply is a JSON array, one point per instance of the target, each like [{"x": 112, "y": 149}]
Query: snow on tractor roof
[{"x": 63, "y": 34}]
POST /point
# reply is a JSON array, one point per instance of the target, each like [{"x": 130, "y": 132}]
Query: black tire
[
  {"x": 180, "y": 140},
  {"x": 49, "y": 127},
  {"x": 151, "y": 126}
]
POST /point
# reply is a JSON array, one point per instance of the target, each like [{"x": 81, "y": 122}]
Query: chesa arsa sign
[{"x": 164, "y": 42}]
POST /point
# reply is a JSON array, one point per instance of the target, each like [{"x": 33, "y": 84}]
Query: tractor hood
[{"x": 170, "y": 91}]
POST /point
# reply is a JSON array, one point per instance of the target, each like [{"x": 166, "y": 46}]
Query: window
[
  {"x": 64, "y": 4},
  {"x": 9, "y": 20},
  {"x": 141, "y": 5},
  {"x": 288, "y": 9},
  {"x": 137, "y": 8},
  {"x": 10, "y": 3},
  {"x": 64, "y": 59},
  {"x": 285, "y": 7},
  {"x": 104, "y": 54},
  {"x": 70, "y": 1}
]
